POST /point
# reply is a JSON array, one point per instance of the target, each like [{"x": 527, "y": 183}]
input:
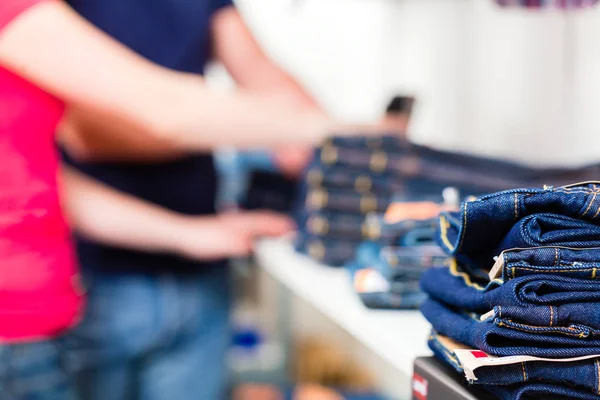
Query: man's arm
[
  {"x": 236, "y": 48},
  {"x": 107, "y": 216}
]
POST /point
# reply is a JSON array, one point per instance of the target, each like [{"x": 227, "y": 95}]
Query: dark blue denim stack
[{"x": 543, "y": 300}]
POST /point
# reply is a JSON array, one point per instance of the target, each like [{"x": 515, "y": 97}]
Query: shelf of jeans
[{"x": 398, "y": 337}]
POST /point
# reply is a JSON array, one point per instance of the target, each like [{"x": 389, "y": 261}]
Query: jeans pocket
[{"x": 573, "y": 330}]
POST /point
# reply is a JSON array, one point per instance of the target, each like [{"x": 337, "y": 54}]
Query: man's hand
[{"x": 229, "y": 234}]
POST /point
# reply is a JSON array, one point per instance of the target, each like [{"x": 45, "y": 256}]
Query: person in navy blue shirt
[{"x": 156, "y": 326}]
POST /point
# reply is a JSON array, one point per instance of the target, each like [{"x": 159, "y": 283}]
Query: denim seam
[
  {"x": 555, "y": 257},
  {"x": 551, "y": 315},
  {"x": 444, "y": 225},
  {"x": 464, "y": 229},
  {"x": 524, "y": 372},
  {"x": 467, "y": 279},
  {"x": 598, "y": 376},
  {"x": 597, "y": 212},
  {"x": 573, "y": 269},
  {"x": 510, "y": 324},
  {"x": 590, "y": 205},
  {"x": 516, "y": 205}
]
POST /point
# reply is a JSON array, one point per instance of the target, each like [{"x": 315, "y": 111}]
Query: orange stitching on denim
[
  {"x": 551, "y": 315},
  {"x": 594, "y": 273},
  {"x": 590, "y": 205},
  {"x": 558, "y": 329},
  {"x": 597, "y": 212},
  {"x": 514, "y": 271},
  {"x": 555, "y": 257},
  {"x": 571, "y": 269},
  {"x": 444, "y": 225},
  {"x": 454, "y": 271},
  {"x": 524, "y": 372},
  {"x": 516, "y": 205}
]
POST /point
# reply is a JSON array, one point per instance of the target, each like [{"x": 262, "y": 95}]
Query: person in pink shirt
[{"x": 50, "y": 60}]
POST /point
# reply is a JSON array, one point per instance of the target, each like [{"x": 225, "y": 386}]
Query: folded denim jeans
[
  {"x": 500, "y": 341},
  {"x": 347, "y": 178},
  {"x": 546, "y": 229},
  {"x": 548, "y": 304},
  {"x": 476, "y": 232},
  {"x": 347, "y": 201},
  {"x": 575, "y": 263},
  {"x": 373, "y": 255},
  {"x": 377, "y": 293},
  {"x": 335, "y": 225},
  {"x": 409, "y": 262},
  {"x": 327, "y": 251},
  {"x": 537, "y": 391},
  {"x": 583, "y": 375}
]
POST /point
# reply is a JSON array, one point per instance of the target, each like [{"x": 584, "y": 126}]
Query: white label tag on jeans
[
  {"x": 496, "y": 271},
  {"x": 473, "y": 359}
]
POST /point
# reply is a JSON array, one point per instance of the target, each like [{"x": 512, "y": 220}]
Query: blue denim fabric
[
  {"x": 533, "y": 303},
  {"x": 335, "y": 225},
  {"x": 502, "y": 341},
  {"x": 373, "y": 255},
  {"x": 551, "y": 229},
  {"x": 475, "y": 174},
  {"x": 468, "y": 234},
  {"x": 581, "y": 374},
  {"x": 331, "y": 252},
  {"x": 153, "y": 337},
  {"x": 34, "y": 371},
  {"x": 397, "y": 258},
  {"x": 348, "y": 201},
  {"x": 569, "y": 262},
  {"x": 349, "y": 178},
  {"x": 536, "y": 391},
  {"x": 402, "y": 294}
]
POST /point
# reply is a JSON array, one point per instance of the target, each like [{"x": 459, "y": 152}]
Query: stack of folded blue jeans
[
  {"x": 386, "y": 273},
  {"x": 524, "y": 281},
  {"x": 350, "y": 178}
]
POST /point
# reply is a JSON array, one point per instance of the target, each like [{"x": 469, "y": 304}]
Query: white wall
[{"x": 510, "y": 83}]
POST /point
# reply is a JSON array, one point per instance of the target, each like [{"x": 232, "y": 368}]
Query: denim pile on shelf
[
  {"x": 524, "y": 281},
  {"x": 352, "y": 178},
  {"x": 386, "y": 273}
]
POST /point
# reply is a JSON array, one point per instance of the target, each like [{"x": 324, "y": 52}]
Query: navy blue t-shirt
[{"x": 175, "y": 34}]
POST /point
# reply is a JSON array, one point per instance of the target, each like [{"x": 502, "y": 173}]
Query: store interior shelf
[{"x": 398, "y": 337}]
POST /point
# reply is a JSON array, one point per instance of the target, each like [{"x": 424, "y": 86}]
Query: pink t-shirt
[{"x": 39, "y": 293}]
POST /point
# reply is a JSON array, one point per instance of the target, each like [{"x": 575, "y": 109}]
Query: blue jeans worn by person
[
  {"x": 501, "y": 341},
  {"x": 153, "y": 337},
  {"x": 34, "y": 371},
  {"x": 475, "y": 233},
  {"x": 533, "y": 303},
  {"x": 580, "y": 374}
]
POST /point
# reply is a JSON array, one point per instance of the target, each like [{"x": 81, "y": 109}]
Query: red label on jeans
[
  {"x": 479, "y": 354},
  {"x": 419, "y": 386}
]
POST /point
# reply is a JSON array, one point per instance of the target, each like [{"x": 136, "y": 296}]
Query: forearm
[
  {"x": 56, "y": 49},
  {"x": 104, "y": 215},
  {"x": 90, "y": 137}
]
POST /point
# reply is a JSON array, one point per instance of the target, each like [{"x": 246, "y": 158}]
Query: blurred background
[{"x": 507, "y": 83}]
